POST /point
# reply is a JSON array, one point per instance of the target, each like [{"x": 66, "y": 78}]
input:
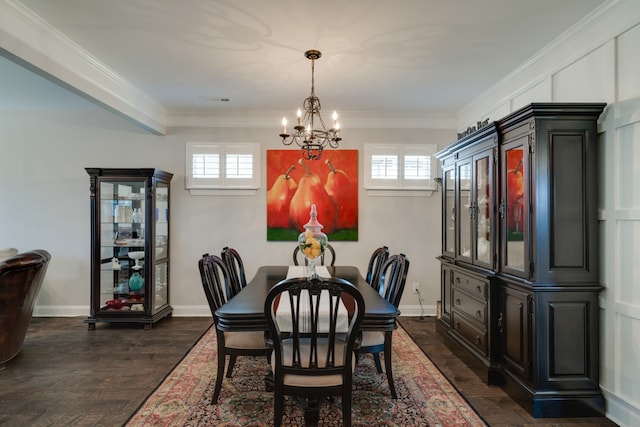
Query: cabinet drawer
[
  {"x": 472, "y": 335},
  {"x": 470, "y": 284},
  {"x": 471, "y": 306}
]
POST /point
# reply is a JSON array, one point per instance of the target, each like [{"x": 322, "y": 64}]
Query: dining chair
[
  {"x": 393, "y": 276},
  {"x": 376, "y": 261},
  {"x": 216, "y": 284},
  {"x": 329, "y": 253},
  {"x": 315, "y": 360},
  {"x": 233, "y": 261}
]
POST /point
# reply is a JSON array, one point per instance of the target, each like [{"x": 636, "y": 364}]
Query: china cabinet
[
  {"x": 129, "y": 245},
  {"x": 520, "y": 256}
]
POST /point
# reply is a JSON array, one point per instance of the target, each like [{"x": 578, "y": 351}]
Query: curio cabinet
[
  {"x": 520, "y": 256},
  {"x": 129, "y": 245}
]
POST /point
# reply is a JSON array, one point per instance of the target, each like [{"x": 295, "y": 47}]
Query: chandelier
[{"x": 312, "y": 140}]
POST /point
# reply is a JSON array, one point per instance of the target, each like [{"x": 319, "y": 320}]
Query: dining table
[{"x": 245, "y": 312}]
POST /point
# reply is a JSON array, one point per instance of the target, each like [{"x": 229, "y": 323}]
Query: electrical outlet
[{"x": 416, "y": 287}]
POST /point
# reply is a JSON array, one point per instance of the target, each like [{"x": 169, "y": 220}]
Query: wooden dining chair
[
  {"x": 216, "y": 284},
  {"x": 376, "y": 261},
  {"x": 327, "y": 258},
  {"x": 233, "y": 261},
  {"x": 393, "y": 276},
  {"x": 314, "y": 360}
]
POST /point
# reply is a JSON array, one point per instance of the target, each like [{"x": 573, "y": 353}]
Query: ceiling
[{"x": 403, "y": 55}]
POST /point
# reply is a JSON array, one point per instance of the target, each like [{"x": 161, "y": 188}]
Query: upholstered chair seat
[
  {"x": 244, "y": 340},
  {"x": 372, "y": 338}
]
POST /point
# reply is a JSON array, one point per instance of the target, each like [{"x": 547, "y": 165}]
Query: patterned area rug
[{"x": 425, "y": 397}]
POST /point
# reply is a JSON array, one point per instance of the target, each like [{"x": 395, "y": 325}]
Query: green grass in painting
[{"x": 290, "y": 235}]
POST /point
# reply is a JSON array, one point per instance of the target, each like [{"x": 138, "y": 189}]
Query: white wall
[
  {"x": 44, "y": 194},
  {"x": 598, "y": 61}
]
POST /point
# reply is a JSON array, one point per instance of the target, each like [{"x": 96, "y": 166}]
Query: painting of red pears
[
  {"x": 279, "y": 198},
  {"x": 341, "y": 189},
  {"x": 294, "y": 184}
]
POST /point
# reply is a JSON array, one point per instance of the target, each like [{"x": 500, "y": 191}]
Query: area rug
[{"x": 425, "y": 397}]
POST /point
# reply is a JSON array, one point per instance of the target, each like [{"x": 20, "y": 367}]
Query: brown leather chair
[{"x": 21, "y": 277}]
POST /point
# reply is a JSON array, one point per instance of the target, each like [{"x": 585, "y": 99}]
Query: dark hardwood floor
[
  {"x": 67, "y": 375},
  {"x": 493, "y": 404}
]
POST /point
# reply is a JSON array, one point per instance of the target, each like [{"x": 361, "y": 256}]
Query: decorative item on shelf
[
  {"x": 313, "y": 242},
  {"x": 123, "y": 288},
  {"x": 136, "y": 281},
  {"x": 137, "y": 215},
  {"x": 115, "y": 263},
  {"x": 312, "y": 140},
  {"x": 137, "y": 256},
  {"x": 115, "y": 304}
]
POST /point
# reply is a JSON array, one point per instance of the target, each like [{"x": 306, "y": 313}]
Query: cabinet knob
[
  {"x": 477, "y": 340},
  {"x": 478, "y": 289},
  {"x": 458, "y": 301},
  {"x": 457, "y": 325},
  {"x": 458, "y": 280},
  {"x": 479, "y": 314}
]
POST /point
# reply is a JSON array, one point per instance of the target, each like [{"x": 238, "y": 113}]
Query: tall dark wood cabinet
[
  {"x": 129, "y": 245},
  {"x": 520, "y": 256}
]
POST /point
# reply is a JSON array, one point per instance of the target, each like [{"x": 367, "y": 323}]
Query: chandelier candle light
[{"x": 312, "y": 140}]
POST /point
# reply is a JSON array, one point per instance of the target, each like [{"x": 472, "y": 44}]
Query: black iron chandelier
[{"x": 312, "y": 140}]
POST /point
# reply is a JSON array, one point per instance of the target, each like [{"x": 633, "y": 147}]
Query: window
[
  {"x": 216, "y": 168},
  {"x": 399, "y": 169}
]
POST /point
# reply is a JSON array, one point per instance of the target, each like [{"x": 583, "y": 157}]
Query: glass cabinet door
[
  {"x": 161, "y": 246},
  {"x": 464, "y": 211},
  {"x": 514, "y": 215},
  {"x": 483, "y": 210},
  {"x": 449, "y": 211},
  {"x": 122, "y": 245}
]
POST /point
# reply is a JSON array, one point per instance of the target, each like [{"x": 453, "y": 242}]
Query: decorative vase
[
  {"x": 136, "y": 282},
  {"x": 313, "y": 242}
]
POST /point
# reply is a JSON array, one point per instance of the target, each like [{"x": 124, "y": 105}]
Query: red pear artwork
[{"x": 294, "y": 184}]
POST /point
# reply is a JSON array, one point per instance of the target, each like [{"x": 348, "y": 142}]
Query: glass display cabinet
[
  {"x": 468, "y": 228},
  {"x": 129, "y": 246},
  {"x": 520, "y": 256}
]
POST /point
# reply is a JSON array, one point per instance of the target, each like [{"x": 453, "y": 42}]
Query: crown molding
[{"x": 31, "y": 42}]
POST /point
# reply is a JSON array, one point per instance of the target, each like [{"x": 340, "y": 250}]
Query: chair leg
[
  {"x": 278, "y": 410},
  {"x": 376, "y": 359},
  {"x": 346, "y": 409},
  {"x": 232, "y": 363},
  {"x": 387, "y": 363},
  {"x": 220, "y": 373}
]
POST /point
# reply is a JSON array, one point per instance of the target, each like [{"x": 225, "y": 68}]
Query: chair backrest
[
  {"x": 21, "y": 278},
  {"x": 377, "y": 260},
  {"x": 215, "y": 281},
  {"x": 314, "y": 346},
  {"x": 235, "y": 266},
  {"x": 327, "y": 258},
  {"x": 393, "y": 277}
]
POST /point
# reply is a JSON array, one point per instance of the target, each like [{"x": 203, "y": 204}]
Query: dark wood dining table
[{"x": 245, "y": 311}]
